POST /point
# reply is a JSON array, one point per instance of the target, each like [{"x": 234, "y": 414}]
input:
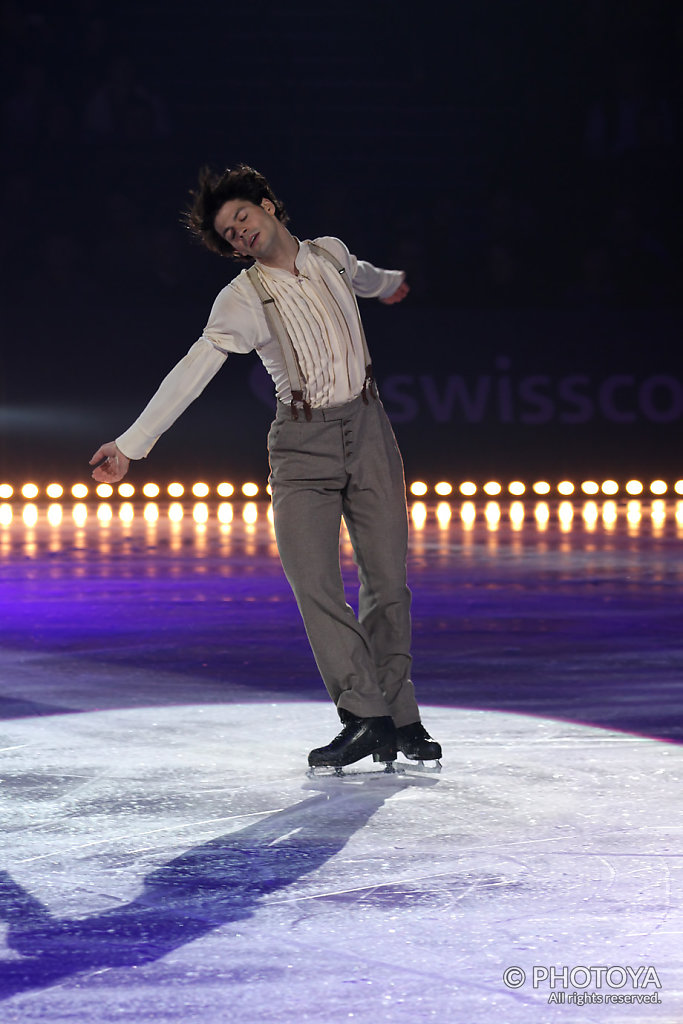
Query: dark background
[{"x": 521, "y": 160}]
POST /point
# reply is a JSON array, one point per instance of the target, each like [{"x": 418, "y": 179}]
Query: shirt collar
[{"x": 300, "y": 262}]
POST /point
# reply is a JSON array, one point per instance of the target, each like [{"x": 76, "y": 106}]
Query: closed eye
[{"x": 230, "y": 232}]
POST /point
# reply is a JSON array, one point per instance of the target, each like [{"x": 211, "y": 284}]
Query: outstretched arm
[
  {"x": 230, "y": 329},
  {"x": 178, "y": 389},
  {"x": 369, "y": 281}
]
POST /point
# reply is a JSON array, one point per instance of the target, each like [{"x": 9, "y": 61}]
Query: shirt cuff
[
  {"x": 134, "y": 443},
  {"x": 395, "y": 279}
]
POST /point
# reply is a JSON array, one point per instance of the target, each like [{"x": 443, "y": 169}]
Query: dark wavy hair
[{"x": 241, "y": 182}]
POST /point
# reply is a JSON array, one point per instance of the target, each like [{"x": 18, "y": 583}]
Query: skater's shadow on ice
[{"x": 208, "y": 886}]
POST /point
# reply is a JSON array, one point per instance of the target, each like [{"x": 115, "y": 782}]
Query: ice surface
[{"x": 155, "y": 870}]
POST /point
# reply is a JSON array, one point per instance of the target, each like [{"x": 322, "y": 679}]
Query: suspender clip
[
  {"x": 298, "y": 396},
  {"x": 369, "y": 384}
]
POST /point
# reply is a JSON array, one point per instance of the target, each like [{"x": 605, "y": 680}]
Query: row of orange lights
[
  {"x": 126, "y": 513},
  {"x": 55, "y": 491},
  {"x": 590, "y": 514},
  {"x": 492, "y": 513},
  {"x": 418, "y": 489},
  {"x": 541, "y": 488}
]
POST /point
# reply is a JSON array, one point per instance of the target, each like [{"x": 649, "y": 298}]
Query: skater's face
[{"x": 251, "y": 230}]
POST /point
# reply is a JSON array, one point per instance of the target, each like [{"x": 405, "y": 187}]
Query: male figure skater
[{"x": 332, "y": 451}]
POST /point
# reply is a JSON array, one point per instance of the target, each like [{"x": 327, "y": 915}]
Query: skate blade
[
  {"x": 420, "y": 766},
  {"x": 339, "y": 772}
]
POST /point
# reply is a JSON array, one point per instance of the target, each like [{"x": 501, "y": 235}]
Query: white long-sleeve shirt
[{"x": 319, "y": 314}]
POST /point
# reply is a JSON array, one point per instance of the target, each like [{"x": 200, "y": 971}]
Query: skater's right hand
[{"x": 113, "y": 468}]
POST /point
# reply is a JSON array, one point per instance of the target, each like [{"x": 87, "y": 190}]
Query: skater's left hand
[{"x": 397, "y": 296}]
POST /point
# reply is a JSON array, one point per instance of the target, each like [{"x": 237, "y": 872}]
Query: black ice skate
[
  {"x": 416, "y": 744},
  {"x": 359, "y": 738}
]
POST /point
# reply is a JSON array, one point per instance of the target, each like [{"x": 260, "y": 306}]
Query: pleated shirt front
[{"x": 323, "y": 329}]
